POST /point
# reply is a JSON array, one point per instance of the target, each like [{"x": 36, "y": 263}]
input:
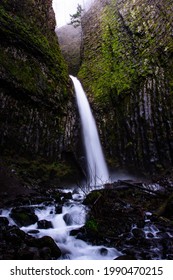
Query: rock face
[
  {"x": 36, "y": 100},
  {"x": 69, "y": 39},
  {"x": 126, "y": 71}
]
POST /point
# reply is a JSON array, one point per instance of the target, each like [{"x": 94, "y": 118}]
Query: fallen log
[{"x": 135, "y": 185}]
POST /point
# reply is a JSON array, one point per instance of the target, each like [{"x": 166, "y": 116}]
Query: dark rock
[
  {"x": 4, "y": 221},
  {"x": 23, "y": 216},
  {"x": 140, "y": 224},
  {"x": 126, "y": 257},
  {"x": 28, "y": 253},
  {"x": 46, "y": 241},
  {"x": 58, "y": 209},
  {"x": 138, "y": 233},
  {"x": 164, "y": 235},
  {"x": 11, "y": 185},
  {"x": 169, "y": 209},
  {"x": 57, "y": 197},
  {"x": 103, "y": 251},
  {"x": 45, "y": 253},
  {"x": 81, "y": 236},
  {"x": 33, "y": 231},
  {"x": 68, "y": 219},
  {"x": 75, "y": 232},
  {"x": 67, "y": 195},
  {"x": 150, "y": 235},
  {"x": 14, "y": 235},
  {"x": 44, "y": 224}
]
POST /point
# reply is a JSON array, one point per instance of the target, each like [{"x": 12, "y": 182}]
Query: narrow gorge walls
[
  {"x": 37, "y": 116},
  {"x": 70, "y": 39},
  {"x": 127, "y": 71}
]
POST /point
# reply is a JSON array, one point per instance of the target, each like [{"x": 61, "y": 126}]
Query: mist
[{"x": 63, "y": 9}]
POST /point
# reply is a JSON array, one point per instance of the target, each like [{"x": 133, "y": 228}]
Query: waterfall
[{"x": 97, "y": 169}]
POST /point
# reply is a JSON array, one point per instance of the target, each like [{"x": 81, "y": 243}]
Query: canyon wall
[
  {"x": 127, "y": 73},
  {"x": 37, "y": 112}
]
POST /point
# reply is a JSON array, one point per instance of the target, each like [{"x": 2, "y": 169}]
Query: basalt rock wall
[
  {"x": 126, "y": 71},
  {"x": 37, "y": 114}
]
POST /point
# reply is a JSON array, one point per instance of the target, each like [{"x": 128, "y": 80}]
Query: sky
[{"x": 63, "y": 9}]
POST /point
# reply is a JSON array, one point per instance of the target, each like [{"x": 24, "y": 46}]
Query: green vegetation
[
  {"x": 40, "y": 170},
  {"x": 92, "y": 225},
  {"x": 22, "y": 64},
  {"x": 76, "y": 18},
  {"x": 127, "y": 73},
  {"x": 34, "y": 86},
  {"x": 129, "y": 49}
]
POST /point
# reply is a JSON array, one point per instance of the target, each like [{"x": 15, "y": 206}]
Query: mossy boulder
[{"x": 23, "y": 216}]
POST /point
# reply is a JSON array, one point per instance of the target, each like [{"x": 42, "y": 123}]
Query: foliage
[
  {"x": 76, "y": 18},
  {"x": 92, "y": 225}
]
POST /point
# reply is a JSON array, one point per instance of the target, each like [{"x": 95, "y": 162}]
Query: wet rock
[
  {"x": 44, "y": 224},
  {"x": 126, "y": 257},
  {"x": 138, "y": 233},
  {"x": 57, "y": 196},
  {"x": 14, "y": 235},
  {"x": 75, "y": 232},
  {"x": 48, "y": 242},
  {"x": 45, "y": 253},
  {"x": 23, "y": 216},
  {"x": 164, "y": 235},
  {"x": 67, "y": 195},
  {"x": 68, "y": 219},
  {"x": 58, "y": 209},
  {"x": 169, "y": 209},
  {"x": 28, "y": 253},
  {"x": 4, "y": 221},
  {"x": 150, "y": 235},
  {"x": 42, "y": 199},
  {"x": 33, "y": 231},
  {"x": 103, "y": 251},
  {"x": 140, "y": 224}
]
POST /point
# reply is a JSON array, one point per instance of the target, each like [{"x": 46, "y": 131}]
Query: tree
[{"x": 76, "y": 18}]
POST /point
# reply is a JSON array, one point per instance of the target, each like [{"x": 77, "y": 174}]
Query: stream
[
  {"x": 71, "y": 218},
  {"x": 145, "y": 237}
]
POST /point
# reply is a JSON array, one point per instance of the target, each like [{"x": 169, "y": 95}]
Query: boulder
[
  {"x": 44, "y": 224},
  {"x": 23, "y": 216},
  {"x": 4, "y": 221}
]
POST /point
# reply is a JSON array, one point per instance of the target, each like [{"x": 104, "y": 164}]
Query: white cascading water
[
  {"x": 97, "y": 169},
  {"x": 71, "y": 247}
]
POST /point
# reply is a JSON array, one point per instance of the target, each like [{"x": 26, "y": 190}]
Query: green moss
[
  {"x": 40, "y": 170},
  {"x": 129, "y": 49},
  {"x": 92, "y": 197},
  {"x": 110, "y": 70},
  {"x": 26, "y": 70},
  {"x": 92, "y": 225}
]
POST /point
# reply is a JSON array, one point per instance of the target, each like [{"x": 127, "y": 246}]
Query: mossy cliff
[
  {"x": 127, "y": 72},
  {"x": 36, "y": 111}
]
